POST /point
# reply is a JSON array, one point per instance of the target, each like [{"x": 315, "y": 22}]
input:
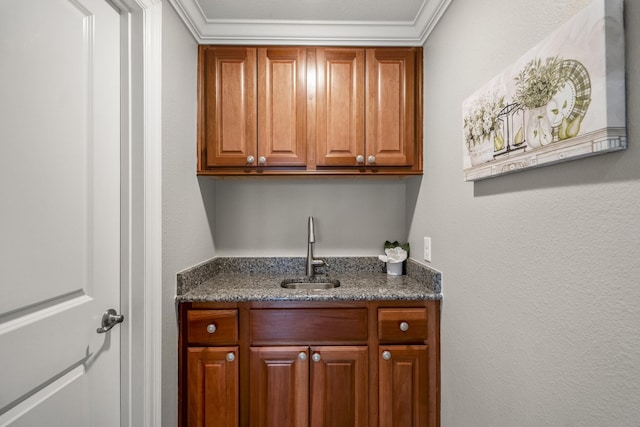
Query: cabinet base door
[
  {"x": 279, "y": 394},
  {"x": 404, "y": 386},
  {"x": 339, "y": 386},
  {"x": 212, "y": 395}
]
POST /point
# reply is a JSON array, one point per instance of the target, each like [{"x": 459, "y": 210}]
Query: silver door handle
[{"x": 110, "y": 318}]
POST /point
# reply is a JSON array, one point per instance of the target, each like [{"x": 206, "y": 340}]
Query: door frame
[{"x": 141, "y": 212}]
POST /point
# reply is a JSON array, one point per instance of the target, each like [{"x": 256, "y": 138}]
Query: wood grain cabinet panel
[
  {"x": 279, "y": 395},
  {"x": 212, "y": 391},
  {"x": 282, "y": 106},
  {"x": 404, "y": 385},
  {"x": 212, "y": 327},
  {"x": 390, "y": 116},
  {"x": 339, "y": 382},
  {"x": 402, "y": 325},
  {"x": 340, "y": 106},
  {"x": 227, "y": 97},
  {"x": 308, "y": 326}
]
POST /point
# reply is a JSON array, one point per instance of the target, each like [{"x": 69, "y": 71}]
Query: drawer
[
  {"x": 309, "y": 326},
  {"x": 402, "y": 325},
  {"x": 215, "y": 327}
]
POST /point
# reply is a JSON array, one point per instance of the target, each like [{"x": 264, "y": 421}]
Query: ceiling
[{"x": 311, "y": 22}]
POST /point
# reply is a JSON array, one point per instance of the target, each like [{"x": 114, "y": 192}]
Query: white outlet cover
[{"x": 427, "y": 249}]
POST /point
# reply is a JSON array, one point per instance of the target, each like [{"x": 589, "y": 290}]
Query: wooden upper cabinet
[
  {"x": 282, "y": 106},
  {"x": 227, "y": 106},
  {"x": 286, "y": 110},
  {"x": 339, "y": 106},
  {"x": 391, "y": 102}
]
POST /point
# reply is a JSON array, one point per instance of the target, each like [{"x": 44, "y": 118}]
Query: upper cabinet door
[
  {"x": 228, "y": 106},
  {"x": 391, "y": 106},
  {"x": 282, "y": 106},
  {"x": 340, "y": 106}
]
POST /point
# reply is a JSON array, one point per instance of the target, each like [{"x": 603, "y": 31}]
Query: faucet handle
[{"x": 319, "y": 262}]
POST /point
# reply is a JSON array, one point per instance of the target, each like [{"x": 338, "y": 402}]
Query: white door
[{"x": 59, "y": 212}]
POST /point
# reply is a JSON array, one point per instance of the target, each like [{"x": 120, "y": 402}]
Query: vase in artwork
[
  {"x": 499, "y": 143},
  {"x": 539, "y": 129},
  {"x": 482, "y": 151}
]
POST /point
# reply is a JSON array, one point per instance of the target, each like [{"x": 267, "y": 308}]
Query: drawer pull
[
  {"x": 302, "y": 355},
  {"x": 316, "y": 357},
  {"x": 404, "y": 326},
  {"x": 386, "y": 355},
  {"x": 231, "y": 357},
  {"x": 211, "y": 328}
]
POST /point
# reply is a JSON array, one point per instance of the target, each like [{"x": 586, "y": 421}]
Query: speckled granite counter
[{"x": 258, "y": 279}]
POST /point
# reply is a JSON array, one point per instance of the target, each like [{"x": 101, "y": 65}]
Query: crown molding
[{"x": 278, "y": 32}]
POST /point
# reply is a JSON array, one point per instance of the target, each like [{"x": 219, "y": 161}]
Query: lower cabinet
[
  {"x": 404, "y": 378},
  {"x": 295, "y": 364},
  {"x": 212, "y": 386},
  {"x": 302, "y": 386}
]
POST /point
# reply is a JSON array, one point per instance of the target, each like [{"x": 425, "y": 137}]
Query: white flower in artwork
[{"x": 481, "y": 117}]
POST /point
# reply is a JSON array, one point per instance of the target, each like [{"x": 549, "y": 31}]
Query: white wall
[
  {"x": 540, "y": 321},
  {"x": 186, "y": 203}
]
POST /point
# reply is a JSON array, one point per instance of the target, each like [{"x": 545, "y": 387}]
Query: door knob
[{"x": 110, "y": 318}]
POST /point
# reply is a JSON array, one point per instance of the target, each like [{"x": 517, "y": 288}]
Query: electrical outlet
[{"x": 427, "y": 249}]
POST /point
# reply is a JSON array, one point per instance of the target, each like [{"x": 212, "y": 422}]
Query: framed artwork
[{"x": 562, "y": 100}]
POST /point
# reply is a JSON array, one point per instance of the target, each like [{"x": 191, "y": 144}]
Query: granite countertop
[{"x": 258, "y": 279}]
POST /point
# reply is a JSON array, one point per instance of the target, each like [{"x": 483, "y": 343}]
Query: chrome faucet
[{"x": 312, "y": 262}]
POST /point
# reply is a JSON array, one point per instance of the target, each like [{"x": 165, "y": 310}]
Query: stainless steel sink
[{"x": 313, "y": 283}]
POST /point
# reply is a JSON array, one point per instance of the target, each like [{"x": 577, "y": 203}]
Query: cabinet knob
[
  {"x": 231, "y": 357},
  {"x": 211, "y": 328},
  {"x": 262, "y": 160},
  {"x": 371, "y": 159},
  {"x": 360, "y": 158},
  {"x": 302, "y": 355},
  {"x": 386, "y": 355},
  {"x": 250, "y": 159},
  {"x": 404, "y": 326},
  {"x": 316, "y": 357}
]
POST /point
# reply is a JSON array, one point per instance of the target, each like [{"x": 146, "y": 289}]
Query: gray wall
[
  {"x": 186, "y": 236},
  {"x": 267, "y": 217},
  {"x": 540, "y": 321}
]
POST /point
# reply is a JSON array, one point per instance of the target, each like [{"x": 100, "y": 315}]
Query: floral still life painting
[{"x": 562, "y": 100}]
